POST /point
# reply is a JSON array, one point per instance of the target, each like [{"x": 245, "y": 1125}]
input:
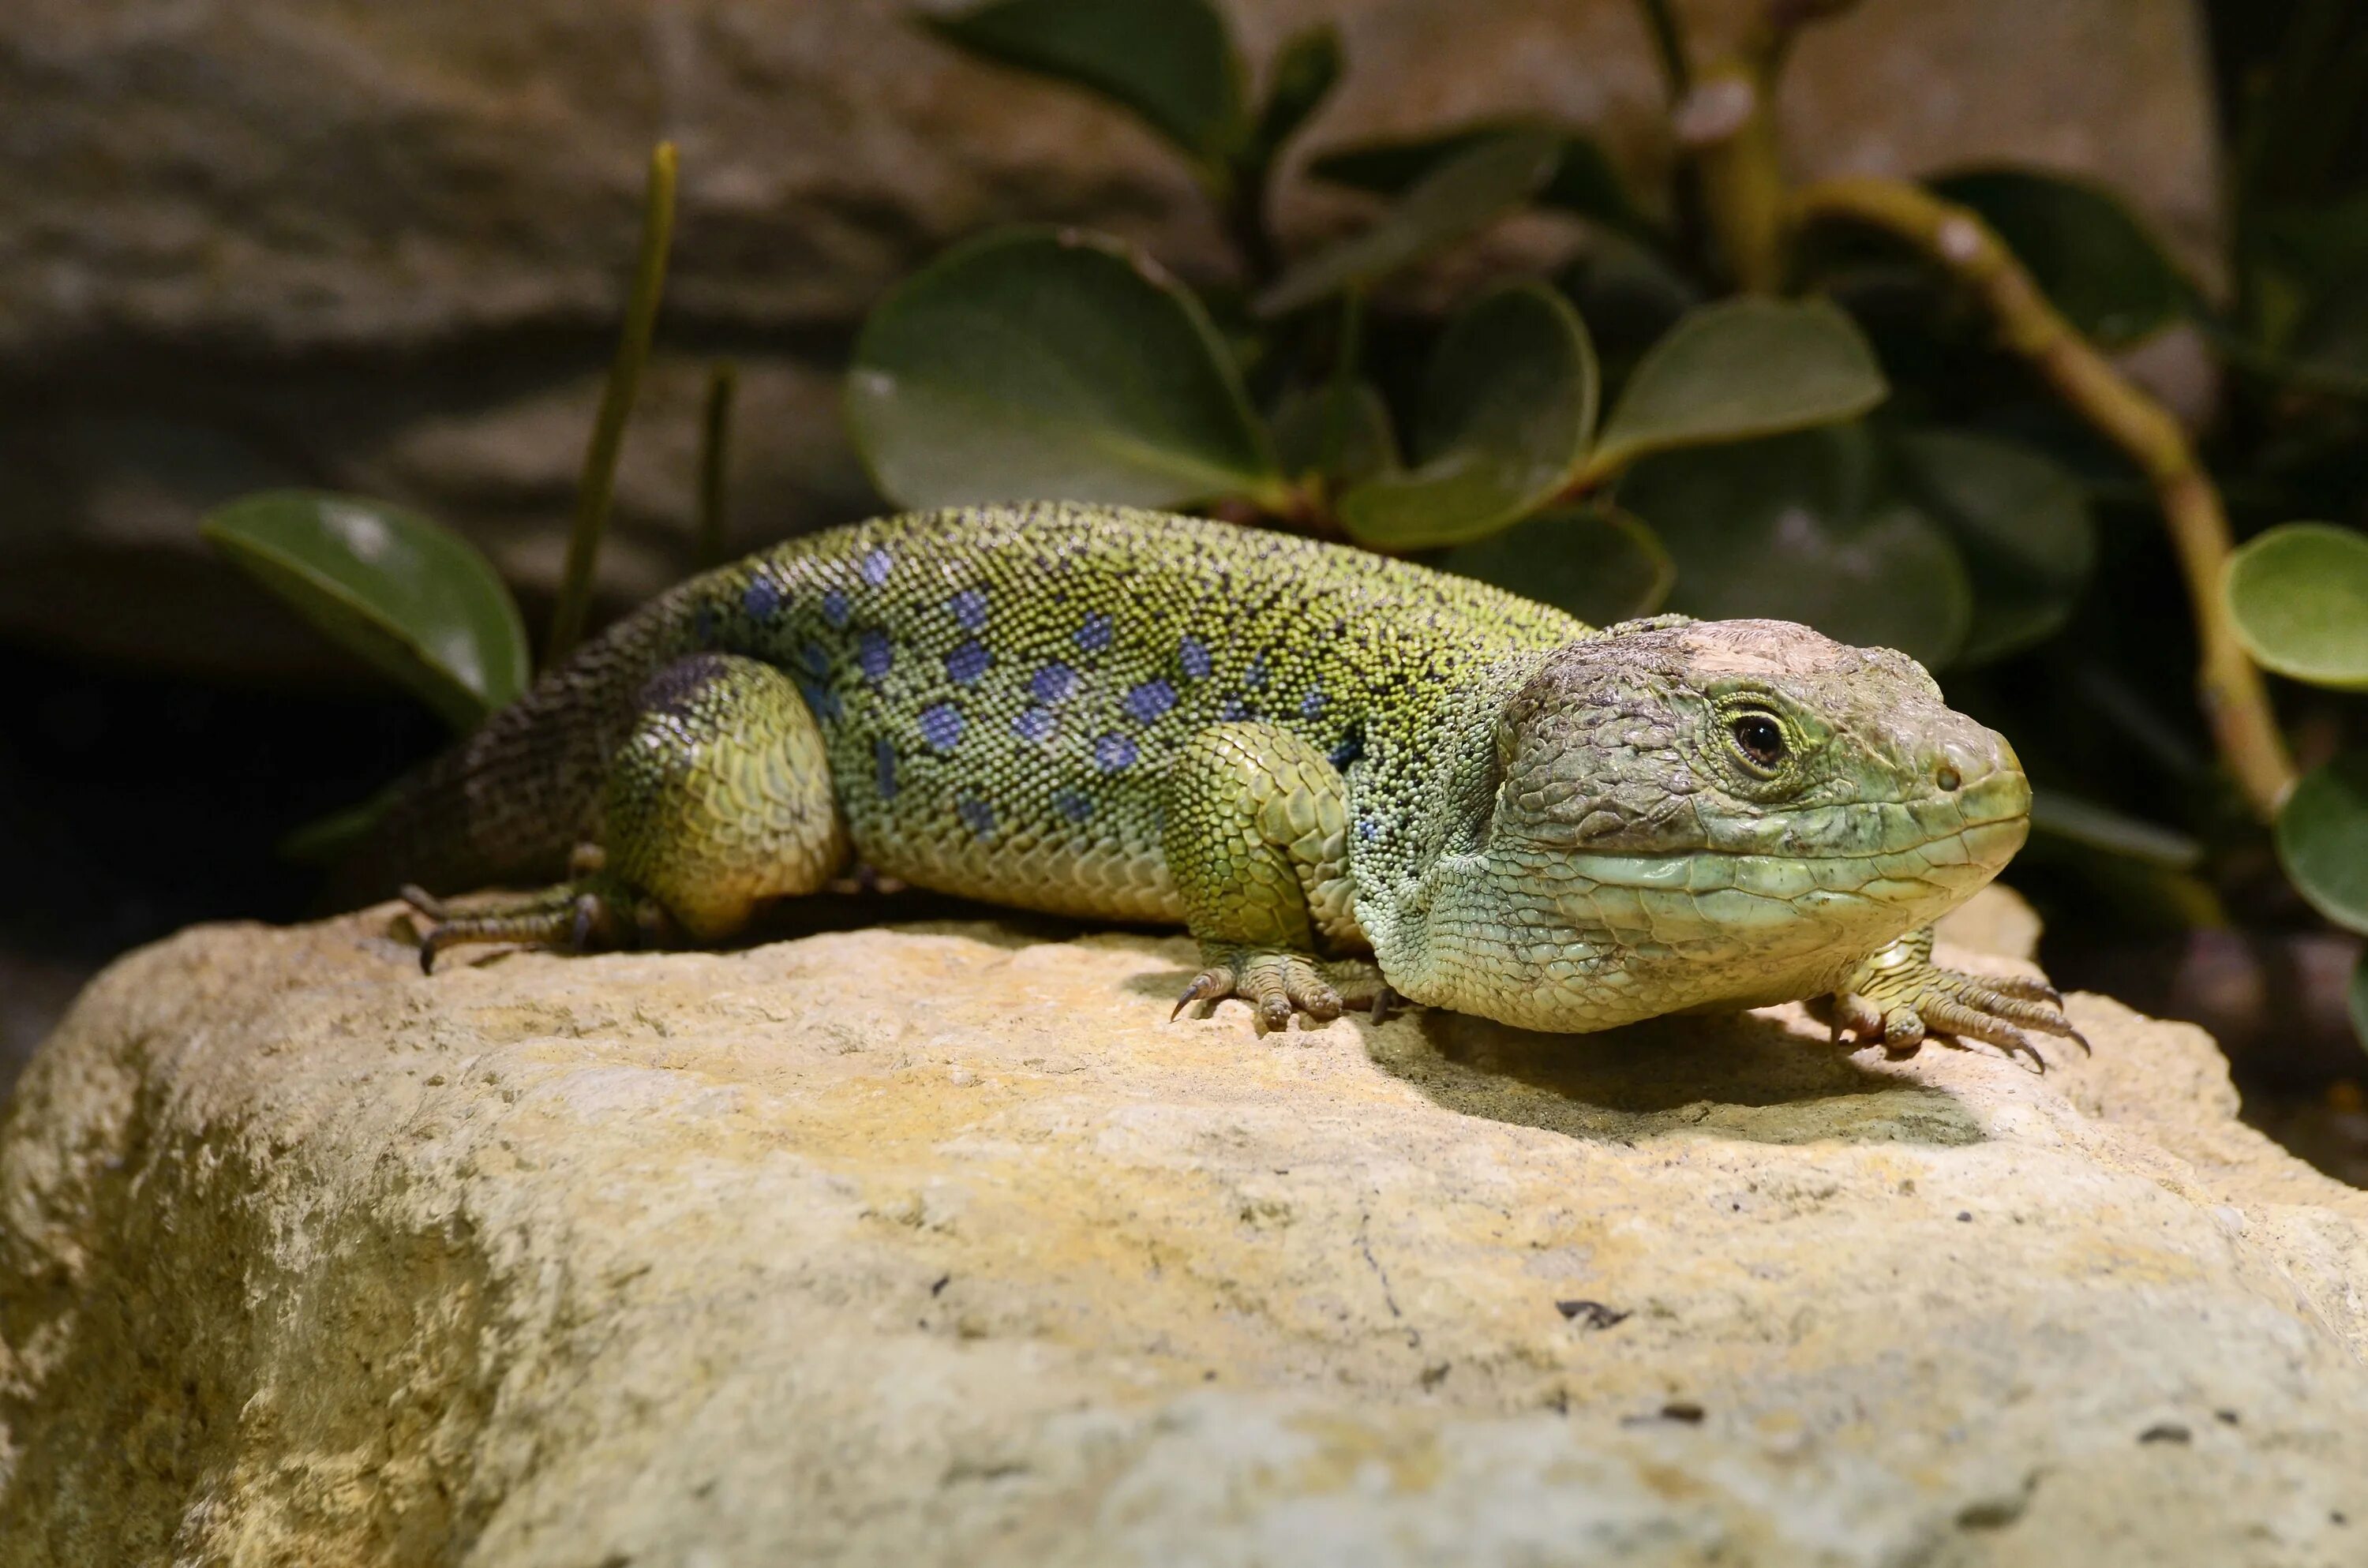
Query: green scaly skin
[{"x": 1345, "y": 774}]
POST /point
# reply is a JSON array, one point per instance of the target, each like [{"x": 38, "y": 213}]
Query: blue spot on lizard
[
  {"x": 941, "y": 726},
  {"x": 1053, "y": 683},
  {"x": 1146, "y": 702},
  {"x": 1113, "y": 752},
  {"x": 967, "y": 663}
]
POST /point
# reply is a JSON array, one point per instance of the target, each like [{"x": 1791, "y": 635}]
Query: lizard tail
[{"x": 509, "y": 804}]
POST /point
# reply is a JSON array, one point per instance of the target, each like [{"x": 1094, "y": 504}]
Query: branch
[{"x": 2235, "y": 700}]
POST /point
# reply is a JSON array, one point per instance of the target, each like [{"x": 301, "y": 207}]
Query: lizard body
[{"x": 1307, "y": 754}]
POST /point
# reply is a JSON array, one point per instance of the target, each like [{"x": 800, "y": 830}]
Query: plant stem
[
  {"x": 1727, "y": 122},
  {"x": 1668, "y": 47},
  {"x": 596, "y": 486},
  {"x": 2235, "y": 700},
  {"x": 1241, "y": 199},
  {"x": 714, "y": 449},
  {"x": 1343, "y": 383}
]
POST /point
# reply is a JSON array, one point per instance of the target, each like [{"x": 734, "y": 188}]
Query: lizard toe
[{"x": 1280, "y": 985}]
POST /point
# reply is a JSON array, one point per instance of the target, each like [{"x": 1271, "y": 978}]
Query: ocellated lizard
[{"x": 1345, "y": 774}]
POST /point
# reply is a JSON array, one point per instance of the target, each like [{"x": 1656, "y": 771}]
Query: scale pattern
[
  {"x": 1300, "y": 751},
  {"x": 1002, "y": 690}
]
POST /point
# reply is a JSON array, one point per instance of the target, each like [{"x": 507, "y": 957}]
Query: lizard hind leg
[
  {"x": 718, "y": 800},
  {"x": 1257, "y": 842}
]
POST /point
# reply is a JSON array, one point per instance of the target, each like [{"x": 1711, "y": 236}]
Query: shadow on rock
[{"x": 1746, "y": 1076}]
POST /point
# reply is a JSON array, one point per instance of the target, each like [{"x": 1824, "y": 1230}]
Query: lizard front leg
[
  {"x": 718, "y": 800},
  {"x": 1899, "y": 994},
  {"x": 1257, "y": 842}
]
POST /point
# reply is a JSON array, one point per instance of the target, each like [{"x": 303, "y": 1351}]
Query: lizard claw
[
  {"x": 1279, "y": 985},
  {"x": 579, "y": 916},
  {"x": 1207, "y": 986},
  {"x": 1899, "y": 995}
]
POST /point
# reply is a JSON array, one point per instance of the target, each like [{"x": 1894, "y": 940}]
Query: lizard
[{"x": 1349, "y": 777}]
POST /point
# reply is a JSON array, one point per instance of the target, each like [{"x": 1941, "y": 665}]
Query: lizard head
[{"x": 1693, "y": 815}]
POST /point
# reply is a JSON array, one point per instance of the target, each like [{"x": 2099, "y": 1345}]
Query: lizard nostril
[{"x": 1948, "y": 778}]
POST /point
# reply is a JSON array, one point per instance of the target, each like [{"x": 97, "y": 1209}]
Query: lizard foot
[
  {"x": 592, "y": 913},
  {"x": 1899, "y": 995},
  {"x": 1276, "y": 983}
]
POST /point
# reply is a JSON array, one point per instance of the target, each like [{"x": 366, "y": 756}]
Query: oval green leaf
[
  {"x": 1792, "y": 529},
  {"x": 1583, "y": 181},
  {"x": 2088, "y": 251},
  {"x": 2020, "y": 521},
  {"x": 1740, "y": 368},
  {"x": 2322, "y": 837},
  {"x": 1171, "y": 61},
  {"x": 413, "y": 598},
  {"x": 1458, "y": 199},
  {"x": 2299, "y": 595},
  {"x": 1508, "y": 407},
  {"x": 1598, "y": 562},
  {"x": 1341, "y": 433},
  {"x": 1030, "y": 364}
]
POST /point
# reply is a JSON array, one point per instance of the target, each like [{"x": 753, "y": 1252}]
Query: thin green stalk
[
  {"x": 714, "y": 450},
  {"x": 597, "y": 485},
  {"x": 1669, "y": 46},
  {"x": 1344, "y": 375}
]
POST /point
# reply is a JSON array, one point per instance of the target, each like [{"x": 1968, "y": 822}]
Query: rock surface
[
  {"x": 940, "y": 1244},
  {"x": 382, "y": 247}
]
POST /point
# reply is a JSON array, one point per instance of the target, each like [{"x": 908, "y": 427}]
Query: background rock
[
  {"x": 312, "y": 241},
  {"x": 939, "y": 1244}
]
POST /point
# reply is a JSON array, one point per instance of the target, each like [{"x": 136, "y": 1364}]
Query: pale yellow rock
[{"x": 940, "y": 1244}]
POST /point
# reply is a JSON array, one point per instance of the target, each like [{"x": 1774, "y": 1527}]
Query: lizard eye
[{"x": 1760, "y": 739}]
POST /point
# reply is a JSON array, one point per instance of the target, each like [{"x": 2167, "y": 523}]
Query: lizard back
[{"x": 1000, "y": 688}]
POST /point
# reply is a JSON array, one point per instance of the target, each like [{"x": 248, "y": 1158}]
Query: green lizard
[{"x": 1347, "y": 775}]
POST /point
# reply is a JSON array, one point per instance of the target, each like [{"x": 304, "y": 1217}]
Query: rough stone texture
[
  {"x": 939, "y": 1244},
  {"x": 381, "y": 246}
]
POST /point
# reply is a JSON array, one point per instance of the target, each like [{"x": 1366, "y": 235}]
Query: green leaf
[
  {"x": 414, "y": 599},
  {"x": 2081, "y": 821},
  {"x": 1583, "y": 181},
  {"x": 1740, "y": 368},
  {"x": 326, "y": 840},
  {"x": 1598, "y": 562},
  {"x": 1342, "y": 433},
  {"x": 1034, "y": 365},
  {"x": 1171, "y": 61},
  {"x": 1629, "y": 295},
  {"x": 2299, "y": 595},
  {"x": 2088, "y": 253},
  {"x": 1305, "y": 70},
  {"x": 1794, "y": 528},
  {"x": 2322, "y": 837},
  {"x": 2021, "y": 523},
  {"x": 1506, "y": 409},
  {"x": 1458, "y": 199}
]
